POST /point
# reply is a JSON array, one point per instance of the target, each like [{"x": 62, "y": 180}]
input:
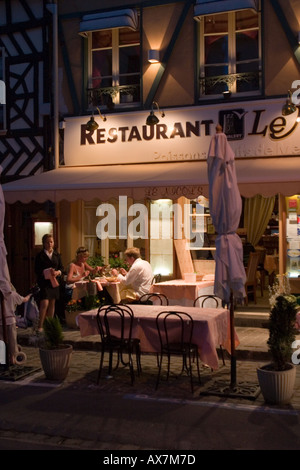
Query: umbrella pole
[
  {"x": 232, "y": 341},
  {"x": 232, "y": 388}
]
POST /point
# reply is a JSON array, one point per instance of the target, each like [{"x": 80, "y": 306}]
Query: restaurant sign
[{"x": 254, "y": 129}]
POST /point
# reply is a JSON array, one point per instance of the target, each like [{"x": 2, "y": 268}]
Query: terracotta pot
[
  {"x": 277, "y": 387},
  {"x": 56, "y": 362}
]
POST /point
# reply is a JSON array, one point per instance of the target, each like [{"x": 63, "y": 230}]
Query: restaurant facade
[{"x": 156, "y": 77}]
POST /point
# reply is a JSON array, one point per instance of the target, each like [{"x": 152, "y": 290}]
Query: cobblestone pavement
[
  {"x": 82, "y": 376},
  {"x": 251, "y": 353}
]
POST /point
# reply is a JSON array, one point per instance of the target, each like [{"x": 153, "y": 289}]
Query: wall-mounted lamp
[
  {"x": 92, "y": 125},
  {"x": 153, "y": 56},
  {"x": 289, "y": 107},
  {"x": 226, "y": 94},
  {"x": 62, "y": 124},
  {"x": 152, "y": 119}
]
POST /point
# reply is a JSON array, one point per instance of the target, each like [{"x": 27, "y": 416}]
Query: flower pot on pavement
[
  {"x": 277, "y": 386},
  {"x": 56, "y": 362},
  {"x": 54, "y": 354}
]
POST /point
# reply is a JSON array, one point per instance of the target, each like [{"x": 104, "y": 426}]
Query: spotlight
[
  {"x": 152, "y": 119},
  {"x": 92, "y": 125}
]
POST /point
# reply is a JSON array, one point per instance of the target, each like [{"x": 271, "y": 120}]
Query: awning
[
  {"x": 113, "y": 19},
  {"x": 204, "y": 7},
  {"x": 266, "y": 176}
]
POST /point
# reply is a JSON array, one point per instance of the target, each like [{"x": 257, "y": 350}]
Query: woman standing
[{"x": 48, "y": 266}]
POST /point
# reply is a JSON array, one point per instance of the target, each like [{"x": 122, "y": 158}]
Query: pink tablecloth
[
  {"x": 211, "y": 328},
  {"x": 81, "y": 289},
  {"x": 180, "y": 292}
]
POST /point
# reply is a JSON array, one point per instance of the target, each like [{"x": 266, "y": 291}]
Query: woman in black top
[{"x": 50, "y": 260}]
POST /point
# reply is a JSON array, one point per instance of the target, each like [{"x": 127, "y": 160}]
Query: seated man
[{"x": 137, "y": 281}]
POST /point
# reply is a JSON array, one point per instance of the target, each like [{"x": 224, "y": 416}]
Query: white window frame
[
  {"x": 115, "y": 67},
  {"x": 232, "y": 63}
]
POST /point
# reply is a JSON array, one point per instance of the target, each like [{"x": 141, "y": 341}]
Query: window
[
  {"x": 114, "y": 67},
  {"x": 2, "y": 93},
  {"x": 230, "y": 54}
]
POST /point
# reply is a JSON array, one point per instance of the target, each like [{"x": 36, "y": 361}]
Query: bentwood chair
[
  {"x": 153, "y": 298},
  {"x": 156, "y": 278},
  {"x": 203, "y": 299},
  {"x": 115, "y": 324},
  {"x": 175, "y": 331}
]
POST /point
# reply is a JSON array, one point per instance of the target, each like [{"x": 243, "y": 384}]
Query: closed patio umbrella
[
  {"x": 5, "y": 286},
  {"x": 225, "y": 205}
]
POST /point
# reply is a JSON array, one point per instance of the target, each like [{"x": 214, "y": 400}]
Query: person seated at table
[
  {"x": 137, "y": 281},
  {"x": 79, "y": 269}
]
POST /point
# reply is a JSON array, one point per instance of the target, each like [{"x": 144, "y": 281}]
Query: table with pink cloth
[
  {"x": 181, "y": 292},
  {"x": 211, "y": 328},
  {"x": 81, "y": 289}
]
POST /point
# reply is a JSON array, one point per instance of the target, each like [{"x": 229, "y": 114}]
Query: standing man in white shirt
[{"x": 139, "y": 277}]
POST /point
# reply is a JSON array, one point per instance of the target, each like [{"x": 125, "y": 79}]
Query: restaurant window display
[
  {"x": 113, "y": 241},
  {"x": 293, "y": 236},
  {"x": 229, "y": 53},
  {"x": 201, "y": 233},
  {"x": 161, "y": 237}
]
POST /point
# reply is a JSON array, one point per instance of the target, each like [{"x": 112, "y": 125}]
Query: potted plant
[
  {"x": 277, "y": 379},
  {"x": 54, "y": 354},
  {"x": 72, "y": 309}
]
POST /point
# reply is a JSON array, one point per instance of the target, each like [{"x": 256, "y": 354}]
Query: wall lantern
[
  {"x": 152, "y": 119},
  {"x": 153, "y": 56},
  {"x": 92, "y": 125}
]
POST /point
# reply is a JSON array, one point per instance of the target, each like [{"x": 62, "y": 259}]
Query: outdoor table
[
  {"x": 211, "y": 329},
  {"x": 81, "y": 289},
  {"x": 181, "y": 292}
]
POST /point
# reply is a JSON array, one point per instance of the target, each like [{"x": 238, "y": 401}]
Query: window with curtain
[
  {"x": 114, "y": 67},
  {"x": 229, "y": 54}
]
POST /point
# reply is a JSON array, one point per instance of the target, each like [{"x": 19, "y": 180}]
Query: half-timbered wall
[{"x": 25, "y": 35}]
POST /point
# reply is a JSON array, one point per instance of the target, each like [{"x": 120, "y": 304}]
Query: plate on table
[{"x": 112, "y": 279}]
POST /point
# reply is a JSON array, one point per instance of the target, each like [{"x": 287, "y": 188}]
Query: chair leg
[
  {"x": 222, "y": 355},
  {"x": 191, "y": 373},
  {"x": 169, "y": 363},
  {"x": 159, "y": 370},
  {"x": 131, "y": 367},
  {"x": 198, "y": 367},
  {"x": 100, "y": 366},
  {"x": 138, "y": 359}
]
